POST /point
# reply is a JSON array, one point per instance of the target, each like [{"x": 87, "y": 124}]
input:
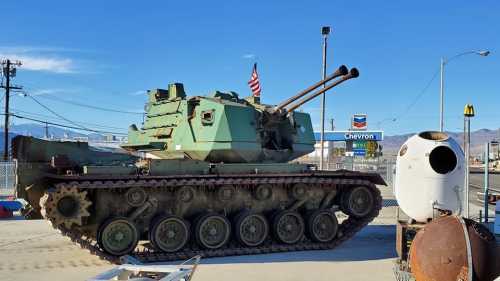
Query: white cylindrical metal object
[{"x": 429, "y": 176}]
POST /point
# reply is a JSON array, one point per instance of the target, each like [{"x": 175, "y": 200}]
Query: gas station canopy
[{"x": 351, "y": 136}]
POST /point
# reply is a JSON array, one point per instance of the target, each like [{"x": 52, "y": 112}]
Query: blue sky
[{"x": 107, "y": 53}]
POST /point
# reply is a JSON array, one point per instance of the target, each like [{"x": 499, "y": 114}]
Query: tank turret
[{"x": 223, "y": 127}]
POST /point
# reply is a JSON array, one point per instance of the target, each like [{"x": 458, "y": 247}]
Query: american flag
[{"x": 254, "y": 82}]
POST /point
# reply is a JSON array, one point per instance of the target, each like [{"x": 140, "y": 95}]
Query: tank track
[{"x": 347, "y": 229}]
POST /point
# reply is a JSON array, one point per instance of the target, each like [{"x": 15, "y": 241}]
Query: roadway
[
  {"x": 476, "y": 184},
  {"x": 477, "y": 181}
]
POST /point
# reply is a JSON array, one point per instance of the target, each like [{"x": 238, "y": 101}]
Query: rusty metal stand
[{"x": 405, "y": 232}]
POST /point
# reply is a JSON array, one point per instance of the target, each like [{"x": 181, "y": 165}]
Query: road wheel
[
  {"x": 322, "y": 225},
  {"x": 288, "y": 227},
  {"x": 358, "y": 201},
  {"x": 251, "y": 229},
  {"x": 169, "y": 233},
  {"x": 212, "y": 231},
  {"x": 118, "y": 236}
]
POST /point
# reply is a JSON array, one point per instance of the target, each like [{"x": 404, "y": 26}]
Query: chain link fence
[
  {"x": 8, "y": 178},
  {"x": 385, "y": 167}
]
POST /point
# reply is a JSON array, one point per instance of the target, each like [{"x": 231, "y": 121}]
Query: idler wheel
[
  {"x": 251, "y": 229},
  {"x": 288, "y": 226},
  {"x": 212, "y": 231},
  {"x": 358, "y": 201},
  {"x": 118, "y": 236},
  {"x": 169, "y": 233},
  {"x": 322, "y": 225}
]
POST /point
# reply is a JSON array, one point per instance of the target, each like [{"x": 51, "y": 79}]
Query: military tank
[{"x": 210, "y": 175}]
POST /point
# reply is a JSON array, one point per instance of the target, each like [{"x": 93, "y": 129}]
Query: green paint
[{"x": 219, "y": 128}]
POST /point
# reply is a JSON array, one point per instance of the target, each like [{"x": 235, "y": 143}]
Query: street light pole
[
  {"x": 444, "y": 62},
  {"x": 325, "y": 30},
  {"x": 441, "y": 98}
]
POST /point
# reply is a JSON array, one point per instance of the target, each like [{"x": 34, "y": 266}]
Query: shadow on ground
[
  {"x": 15, "y": 217},
  {"x": 374, "y": 242}
]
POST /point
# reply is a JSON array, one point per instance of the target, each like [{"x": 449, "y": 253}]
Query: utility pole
[
  {"x": 46, "y": 130},
  {"x": 9, "y": 70},
  {"x": 486, "y": 179},
  {"x": 325, "y": 30}
]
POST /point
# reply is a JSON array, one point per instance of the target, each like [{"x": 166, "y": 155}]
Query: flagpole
[
  {"x": 256, "y": 98},
  {"x": 254, "y": 84}
]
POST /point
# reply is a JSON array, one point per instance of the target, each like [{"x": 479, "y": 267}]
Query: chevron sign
[{"x": 359, "y": 122}]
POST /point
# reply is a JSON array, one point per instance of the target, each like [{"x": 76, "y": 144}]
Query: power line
[
  {"x": 415, "y": 100},
  {"x": 64, "y": 118},
  {"x": 50, "y": 97},
  {"x": 9, "y": 70},
  {"x": 76, "y": 125},
  {"x": 37, "y": 115},
  {"x": 55, "y": 113},
  {"x": 64, "y": 126}
]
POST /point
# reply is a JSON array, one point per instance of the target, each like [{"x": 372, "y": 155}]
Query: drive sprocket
[{"x": 65, "y": 206}]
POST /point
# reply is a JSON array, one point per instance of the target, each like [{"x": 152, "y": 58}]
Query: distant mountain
[
  {"x": 392, "y": 144},
  {"x": 38, "y": 131}
]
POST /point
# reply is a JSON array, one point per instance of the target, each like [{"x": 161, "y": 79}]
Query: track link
[{"x": 347, "y": 229}]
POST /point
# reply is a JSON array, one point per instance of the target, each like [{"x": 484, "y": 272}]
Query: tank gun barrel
[
  {"x": 342, "y": 70},
  {"x": 353, "y": 73}
]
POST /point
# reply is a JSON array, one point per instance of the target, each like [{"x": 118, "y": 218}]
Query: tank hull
[
  {"x": 260, "y": 207},
  {"x": 229, "y": 195}
]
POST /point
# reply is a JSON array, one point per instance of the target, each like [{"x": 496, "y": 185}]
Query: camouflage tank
[{"x": 214, "y": 178}]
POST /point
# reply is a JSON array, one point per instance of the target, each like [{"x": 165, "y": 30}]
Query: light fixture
[
  {"x": 325, "y": 30},
  {"x": 483, "y": 53}
]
